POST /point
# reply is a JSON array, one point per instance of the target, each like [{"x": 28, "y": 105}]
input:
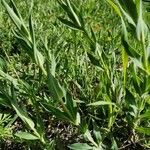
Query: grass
[{"x": 74, "y": 75}]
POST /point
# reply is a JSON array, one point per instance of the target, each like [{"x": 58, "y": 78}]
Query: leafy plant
[{"x": 77, "y": 77}]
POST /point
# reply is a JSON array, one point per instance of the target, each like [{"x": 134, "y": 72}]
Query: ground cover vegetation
[{"x": 74, "y": 75}]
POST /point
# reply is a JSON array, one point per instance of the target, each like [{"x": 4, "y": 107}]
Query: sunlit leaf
[
  {"x": 80, "y": 146},
  {"x": 26, "y": 136}
]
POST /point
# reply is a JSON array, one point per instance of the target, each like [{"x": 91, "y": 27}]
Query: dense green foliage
[{"x": 74, "y": 74}]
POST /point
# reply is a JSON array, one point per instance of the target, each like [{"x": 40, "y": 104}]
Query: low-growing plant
[{"x": 97, "y": 82}]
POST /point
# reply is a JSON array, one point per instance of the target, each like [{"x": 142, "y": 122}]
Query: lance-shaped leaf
[
  {"x": 101, "y": 103},
  {"x": 125, "y": 64},
  {"x": 26, "y": 136},
  {"x": 16, "y": 17},
  {"x": 55, "y": 111},
  {"x": 129, "y": 50},
  {"x": 80, "y": 146},
  {"x": 69, "y": 24},
  {"x": 75, "y": 18},
  {"x": 53, "y": 85},
  {"x": 12, "y": 15}
]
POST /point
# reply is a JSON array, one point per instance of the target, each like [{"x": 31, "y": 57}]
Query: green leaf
[
  {"x": 25, "y": 43},
  {"x": 69, "y": 24},
  {"x": 53, "y": 85},
  {"x": 16, "y": 17},
  {"x": 126, "y": 14},
  {"x": 80, "y": 146},
  {"x": 129, "y": 50},
  {"x": 5, "y": 99},
  {"x": 115, "y": 7},
  {"x": 39, "y": 58},
  {"x": 64, "y": 114},
  {"x": 31, "y": 29},
  {"x": 125, "y": 64},
  {"x": 78, "y": 119},
  {"x": 71, "y": 106},
  {"x": 94, "y": 60},
  {"x": 93, "y": 35},
  {"x": 136, "y": 79},
  {"x": 40, "y": 125},
  {"x": 26, "y": 136},
  {"x": 67, "y": 10},
  {"x": 12, "y": 15},
  {"x": 114, "y": 145},
  {"x": 73, "y": 12},
  {"x": 55, "y": 111},
  {"x": 3, "y": 64},
  {"x": 144, "y": 130},
  {"x": 141, "y": 28},
  {"x": 75, "y": 16},
  {"x": 53, "y": 65},
  {"x": 97, "y": 135},
  {"x": 99, "y": 103},
  {"x": 89, "y": 137},
  {"x": 146, "y": 115},
  {"x": 129, "y": 97},
  {"x": 20, "y": 112},
  {"x": 23, "y": 115},
  {"x": 9, "y": 78}
]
